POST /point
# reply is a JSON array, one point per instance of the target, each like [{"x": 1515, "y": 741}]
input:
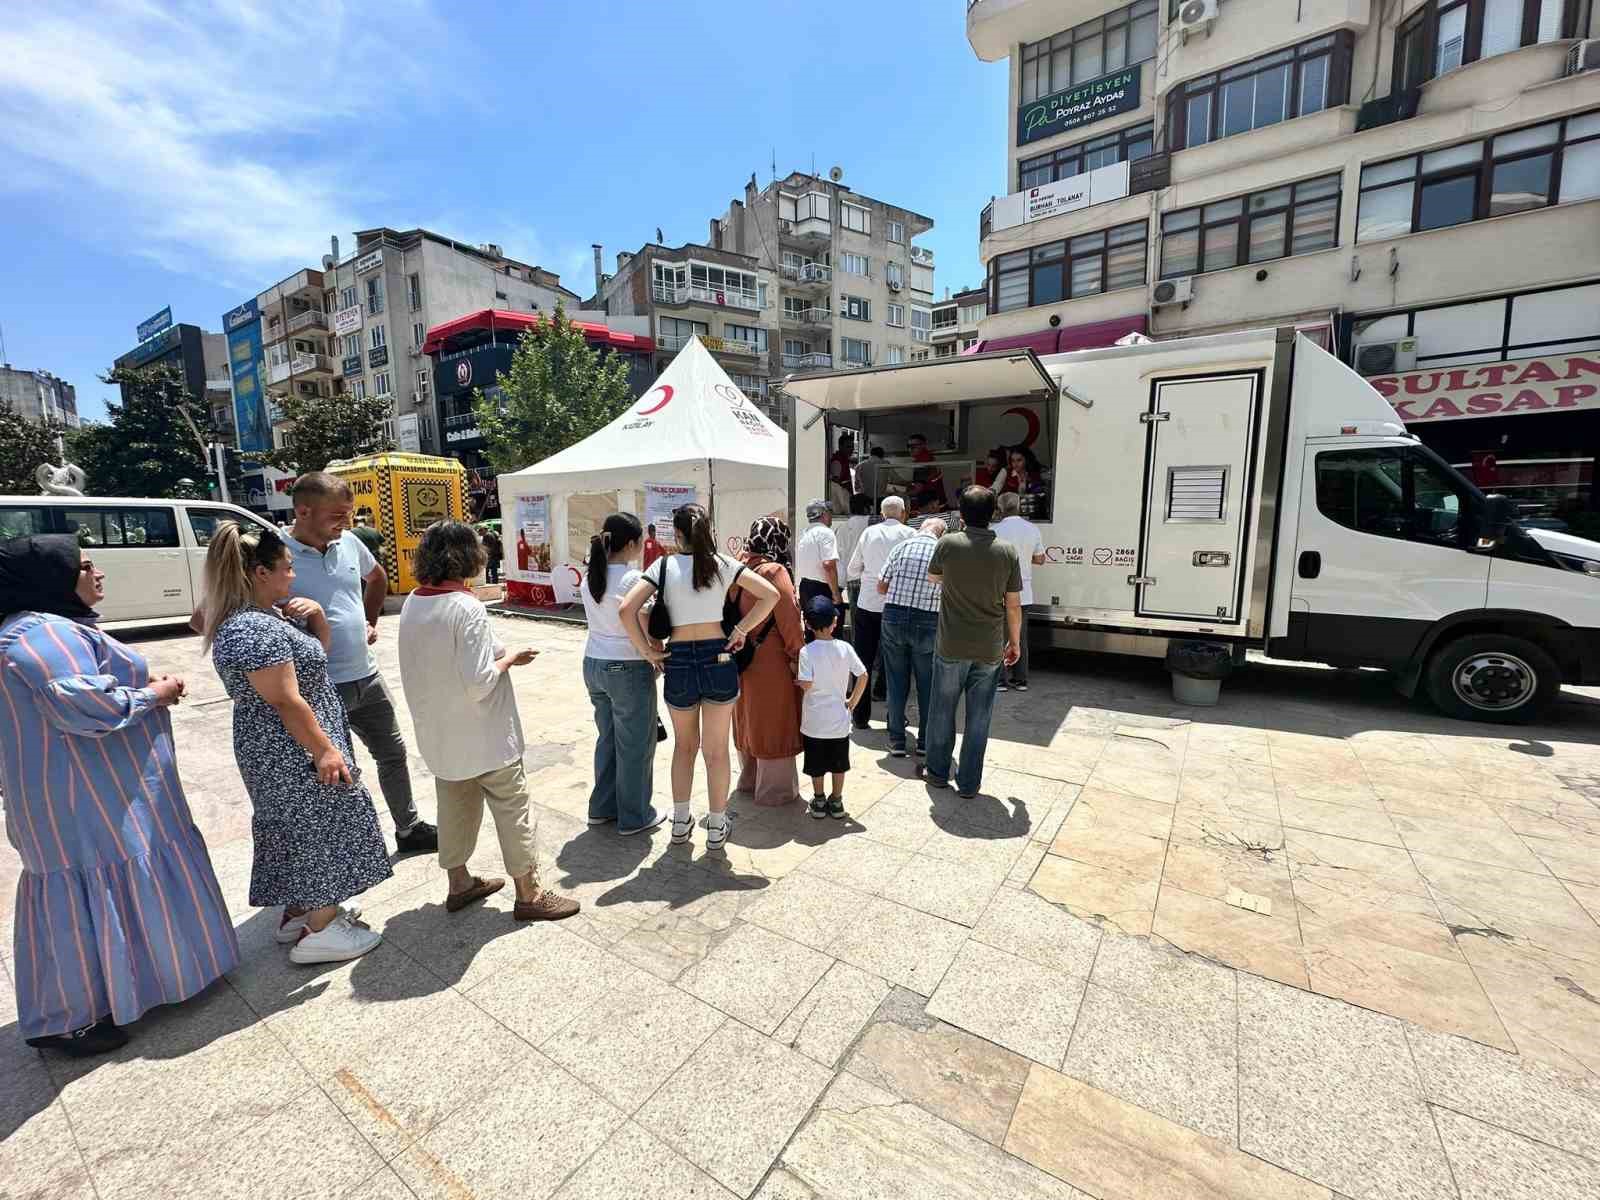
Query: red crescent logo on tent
[
  {"x": 1032, "y": 418},
  {"x": 666, "y": 395}
]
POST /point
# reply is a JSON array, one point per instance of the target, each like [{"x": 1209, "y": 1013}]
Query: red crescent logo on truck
[
  {"x": 666, "y": 395},
  {"x": 1032, "y": 418}
]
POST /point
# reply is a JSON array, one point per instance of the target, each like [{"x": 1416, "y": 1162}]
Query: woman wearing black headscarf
[
  {"x": 766, "y": 716},
  {"x": 118, "y": 909}
]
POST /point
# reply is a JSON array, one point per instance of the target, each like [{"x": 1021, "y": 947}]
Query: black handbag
[
  {"x": 659, "y": 623},
  {"x": 746, "y": 654}
]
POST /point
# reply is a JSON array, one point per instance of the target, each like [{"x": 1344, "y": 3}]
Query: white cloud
[{"x": 200, "y": 137}]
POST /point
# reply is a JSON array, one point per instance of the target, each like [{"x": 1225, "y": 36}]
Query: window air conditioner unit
[
  {"x": 1192, "y": 14},
  {"x": 893, "y": 286},
  {"x": 1172, "y": 291},
  {"x": 1386, "y": 358},
  {"x": 1583, "y": 56}
]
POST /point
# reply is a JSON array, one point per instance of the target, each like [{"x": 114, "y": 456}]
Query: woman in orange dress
[{"x": 766, "y": 717}]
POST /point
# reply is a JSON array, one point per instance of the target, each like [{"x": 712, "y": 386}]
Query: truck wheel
[{"x": 1492, "y": 677}]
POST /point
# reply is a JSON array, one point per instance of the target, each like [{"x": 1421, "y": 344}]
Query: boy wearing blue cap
[{"x": 833, "y": 679}]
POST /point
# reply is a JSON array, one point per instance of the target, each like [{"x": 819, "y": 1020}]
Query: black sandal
[{"x": 100, "y": 1038}]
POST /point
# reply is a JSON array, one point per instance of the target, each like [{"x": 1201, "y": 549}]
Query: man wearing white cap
[{"x": 816, "y": 556}]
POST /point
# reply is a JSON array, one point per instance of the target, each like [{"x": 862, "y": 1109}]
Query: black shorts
[{"x": 825, "y": 756}]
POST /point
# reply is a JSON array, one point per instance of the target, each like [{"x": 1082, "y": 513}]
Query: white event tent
[{"x": 694, "y": 428}]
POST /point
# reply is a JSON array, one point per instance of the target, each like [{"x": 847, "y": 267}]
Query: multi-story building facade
[
  {"x": 202, "y": 358},
  {"x": 38, "y": 396},
  {"x": 956, "y": 321},
  {"x": 851, "y": 289},
  {"x": 726, "y": 299},
  {"x": 1414, "y": 183}
]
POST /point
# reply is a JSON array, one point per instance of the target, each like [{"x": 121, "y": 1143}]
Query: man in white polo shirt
[
  {"x": 816, "y": 556},
  {"x": 866, "y": 563},
  {"x": 334, "y": 568}
]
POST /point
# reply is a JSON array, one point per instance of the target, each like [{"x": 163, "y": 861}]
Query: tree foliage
[
  {"x": 152, "y": 439},
  {"x": 328, "y": 428},
  {"x": 24, "y": 445},
  {"x": 559, "y": 390}
]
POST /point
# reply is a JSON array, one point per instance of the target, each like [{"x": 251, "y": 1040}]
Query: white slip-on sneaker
[
  {"x": 339, "y": 940},
  {"x": 290, "y": 928},
  {"x": 682, "y": 829},
  {"x": 717, "y": 835}
]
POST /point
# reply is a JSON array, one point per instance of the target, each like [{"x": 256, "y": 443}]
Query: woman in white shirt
[
  {"x": 702, "y": 680},
  {"x": 619, "y": 671}
]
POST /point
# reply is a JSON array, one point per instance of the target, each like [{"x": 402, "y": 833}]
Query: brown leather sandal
[{"x": 480, "y": 888}]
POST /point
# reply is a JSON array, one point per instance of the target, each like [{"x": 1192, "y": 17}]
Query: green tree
[
  {"x": 156, "y": 436},
  {"x": 24, "y": 445},
  {"x": 328, "y": 428},
  {"x": 559, "y": 390}
]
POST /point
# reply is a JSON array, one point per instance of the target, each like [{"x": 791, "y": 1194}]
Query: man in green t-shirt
[{"x": 980, "y": 627}]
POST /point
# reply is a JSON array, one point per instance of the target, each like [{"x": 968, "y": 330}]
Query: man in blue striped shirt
[{"x": 910, "y": 626}]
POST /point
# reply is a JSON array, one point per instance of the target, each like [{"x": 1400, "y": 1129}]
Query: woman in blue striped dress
[{"x": 118, "y": 909}]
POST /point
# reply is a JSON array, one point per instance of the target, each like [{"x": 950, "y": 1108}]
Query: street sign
[{"x": 148, "y": 328}]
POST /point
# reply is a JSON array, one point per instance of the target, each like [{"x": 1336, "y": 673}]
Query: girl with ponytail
[
  {"x": 619, "y": 669},
  {"x": 696, "y": 586}
]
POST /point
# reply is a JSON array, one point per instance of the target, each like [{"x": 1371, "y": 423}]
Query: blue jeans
[
  {"x": 906, "y": 645},
  {"x": 623, "y": 693},
  {"x": 953, "y": 680}
]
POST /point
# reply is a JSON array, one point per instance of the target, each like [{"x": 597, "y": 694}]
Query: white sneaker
[
  {"x": 289, "y": 927},
  {"x": 717, "y": 835},
  {"x": 682, "y": 829},
  {"x": 339, "y": 940}
]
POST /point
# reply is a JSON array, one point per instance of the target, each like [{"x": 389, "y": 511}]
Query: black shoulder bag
[
  {"x": 659, "y": 623},
  {"x": 746, "y": 654}
]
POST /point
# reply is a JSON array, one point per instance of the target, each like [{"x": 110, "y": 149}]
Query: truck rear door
[{"x": 1199, "y": 470}]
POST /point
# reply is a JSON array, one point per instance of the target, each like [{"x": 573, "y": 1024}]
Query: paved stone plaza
[{"x": 1317, "y": 942}]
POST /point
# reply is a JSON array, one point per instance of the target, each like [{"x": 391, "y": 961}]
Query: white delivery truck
[{"x": 1246, "y": 488}]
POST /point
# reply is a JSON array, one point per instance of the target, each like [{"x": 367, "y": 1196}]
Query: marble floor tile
[
  {"x": 485, "y": 1151},
  {"x": 1339, "y": 820},
  {"x": 753, "y": 1086},
  {"x": 1492, "y": 894},
  {"x": 1509, "y": 1090},
  {"x": 1308, "y": 785},
  {"x": 1142, "y": 782},
  {"x": 1387, "y": 867},
  {"x": 1496, "y": 847},
  {"x": 1149, "y": 971},
  {"x": 1027, "y": 925},
  {"x": 1263, "y": 945},
  {"x": 783, "y": 1185},
  {"x": 1013, "y": 1002},
  {"x": 1027, "y": 863},
  {"x": 384, "y": 1185},
  {"x": 755, "y": 975},
  {"x": 1552, "y": 1019},
  {"x": 1329, "y": 1091},
  {"x": 1115, "y": 1150},
  {"x": 1222, "y": 824},
  {"x": 1125, "y": 901},
  {"x": 1454, "y": 808},
  {"x": 1220, "y": 871},
  {"x": 908, "y": 948},
  {"x": 1573, "y": 856},
  {"x": 958, "y": 1077},
  {"x": 630, "y": 1040},
  {"x": 635, "y": 1165},
  {"x": 1588, "y": 897},
  {"x": 1242, "y": 744},
  {"x": 543, "y": 993},
  {"x": 806, "y": 908},
  {"x": 956, "y": 893},
  {"x": 1492, "y": 1164},
  {"x": 832, "y": 1014},
  {"x": 1112, "y": 849},
  {"x": 1098, "y": 809},
  {"x": 38, "y": 1147},
  {"x": 857, "y": 862},
  {"x": 864, "y": 1143}
]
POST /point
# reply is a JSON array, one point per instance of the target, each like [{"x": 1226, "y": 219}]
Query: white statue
[{"x": 67, "y": 480}]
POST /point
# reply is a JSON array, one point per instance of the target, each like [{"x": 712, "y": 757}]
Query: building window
[
  {"x": 750, "y": 335},
  {"x": 1080, "y": 266},
  {"x": 971, "y": 314},
  {"x": 893, "y": 356},
  {"x": 1124, "y": 145},
  {"x": 1264, "y": 91},
  {"x": 675, "y": 333},
  {"x": 374, "y": 295},
  {"x": 921, "y": 323},
  {"x": 858, "y": 219},
  {"x": 1553, "y": 163},
  {"x": 855, "y": 352},
  {"x": 419, "y": 333},
  {"x": 349, "y": 297},
  {"x": 358, "y": 388},
  {"x": 967, "y": 343},
  {"x": 857, "y": 308},
  {"x": 894, "y": 274},
  {"x": 945, "y": 318},
  {"x": 414, "y": 291},
  {"x": 352, "y": 345},
  {"x": 379, "y": 336},
  {"x": 380, "y": 384},
  {"x": 722, "y": 285},
  {"x": 921, "y": 355},
  {"x": 855, "y": 264},
  {"x": 897, "y": 232},
  {"x": 1445, "y": 34},
  {"x": 1293, "y": 219},
  {"x": 751, "y": 385},
  {"x": 424, "y": 383},
  {"x": 1087, "y": 51},
  {"x": 897, "y": 316},
  {"x": 761, "y": 292}
]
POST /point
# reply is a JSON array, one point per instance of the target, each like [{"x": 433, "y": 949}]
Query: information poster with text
[{"x": 661, "y": 500}]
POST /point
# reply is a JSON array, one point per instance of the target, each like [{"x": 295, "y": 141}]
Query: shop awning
[
  {"x": 1059, "y": 341},
  {"x": 499, "y": 318},
  {"x": 997, "y": 375}
]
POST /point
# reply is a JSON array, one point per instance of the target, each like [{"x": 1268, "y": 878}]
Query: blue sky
[{"x": 159, "y": 153}]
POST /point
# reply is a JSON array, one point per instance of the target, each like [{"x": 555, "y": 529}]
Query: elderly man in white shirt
[
  {"x": 816, "y": 557},
  {"x": 872, "y": 550},
  {"x": 1022, "y": 533}
]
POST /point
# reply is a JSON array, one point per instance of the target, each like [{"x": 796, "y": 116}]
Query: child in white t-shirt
[{"x": 833, "y": 679}]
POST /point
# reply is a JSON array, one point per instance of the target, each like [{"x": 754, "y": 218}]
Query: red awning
[
  {"x": 1060, "y": 341},
  {"x": 498, "y": 318}
]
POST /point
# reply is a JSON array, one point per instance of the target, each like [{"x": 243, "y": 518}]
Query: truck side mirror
[{"x": 1499, "y": 515}]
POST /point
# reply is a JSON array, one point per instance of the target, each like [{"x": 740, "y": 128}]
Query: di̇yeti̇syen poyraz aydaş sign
[{"x": 1078, "y": 106}]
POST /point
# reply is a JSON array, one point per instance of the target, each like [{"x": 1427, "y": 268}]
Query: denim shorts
[{"x": 700, "y": 673}]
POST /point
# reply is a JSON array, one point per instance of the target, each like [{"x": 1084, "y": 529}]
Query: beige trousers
[{"x": 461, "y": 816}]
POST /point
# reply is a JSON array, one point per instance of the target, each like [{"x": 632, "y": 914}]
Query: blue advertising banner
[
  {"x": 1079, "y": 106},
  {"x": 249, "y": 405},
  {"x": 241, "y": 316},
  {"x": 153, "y": 325}
]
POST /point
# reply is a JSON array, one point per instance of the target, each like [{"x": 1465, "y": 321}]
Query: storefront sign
[
  {"x": 244, "y": 363},
  {"x": 463, "y": 370},
  {"x": 350, "y": 364},
  {"x": 1076, "y": 107},
  {"x": 347, "y": 320},
  {"x": 1493, "y": 389},
  {"x": 151, "y": 326},
  {"x": 1062, "y": 196},
  {"x": 156, "y": 347},
  {"x": 378, "y": 356},
  {"x": 368, "y": 261},
  {"x": 470, "y": 433},
  {"x": 1150, "y": 173},
  {"x": 406, "y": 436},
  {"x": 241, "y": 316}
]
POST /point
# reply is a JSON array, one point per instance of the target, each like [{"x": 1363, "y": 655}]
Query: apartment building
[
  {"x": 956, "y": 321},
  {"x": 38, "y": 395},
  {"x": 1414, "y": 183},
  {"x": 726, "y": 299},
  {"x": 201, "y": 357},
  {"x": 851, "y": 288}
]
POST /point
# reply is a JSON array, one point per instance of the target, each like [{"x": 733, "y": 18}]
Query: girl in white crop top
[{"x": 702, "y": 679}]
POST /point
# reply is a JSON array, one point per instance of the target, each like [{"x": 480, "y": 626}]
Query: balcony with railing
[
  {"x": 812, "y": 317},
  {"x": 922, "y": 256},
  {"x": 735, "y": 346},
  {"x": 813, "y": 361},
  {"x": 808, "y": 230},
  {"x": 807, "y": 275},
  {"x": 919, "y": 335},
  {"x": 300, "y": 365},
  {"x": 697, "y": 293},
  {"x": 311, "y": 318}
]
